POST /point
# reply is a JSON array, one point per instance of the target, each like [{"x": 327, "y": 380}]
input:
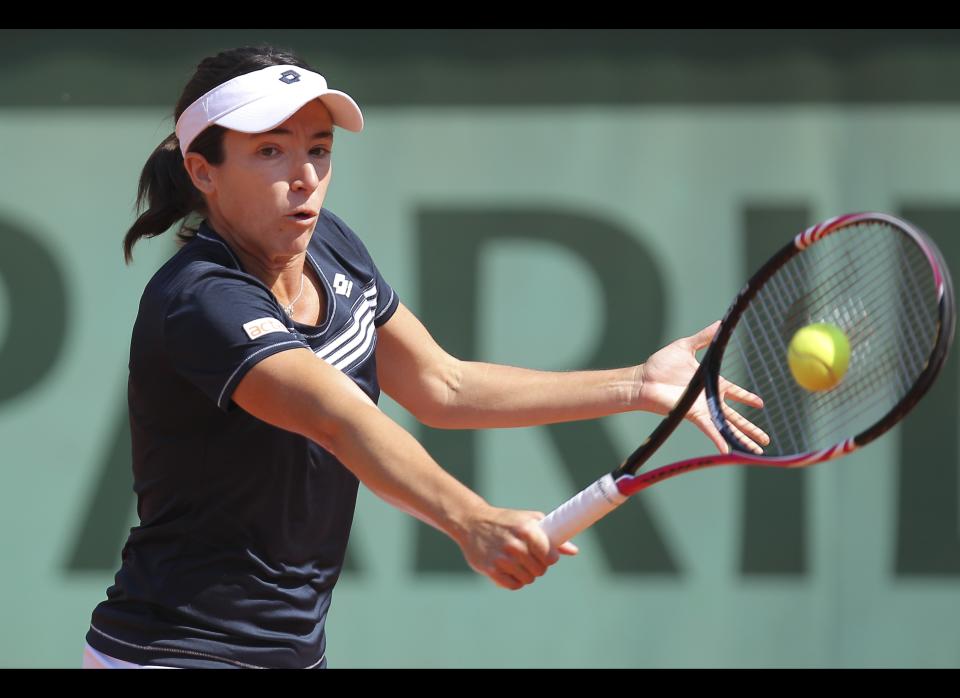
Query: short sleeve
[
  {"x": 217, "y": 327},
  {"x": 387, "y": 299}
]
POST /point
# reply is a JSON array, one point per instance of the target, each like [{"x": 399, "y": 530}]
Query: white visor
[{"x": 262, "y": 100}]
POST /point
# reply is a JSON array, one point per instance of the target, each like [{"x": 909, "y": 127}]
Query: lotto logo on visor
[
  {"x": 290, "y": 76},
  {"x": 265, "y": 325}
]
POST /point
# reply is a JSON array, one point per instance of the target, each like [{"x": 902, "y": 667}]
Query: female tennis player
[{"x": 247, "y": 449}]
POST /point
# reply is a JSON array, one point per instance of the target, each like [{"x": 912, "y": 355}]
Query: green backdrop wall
[{"x": 579, "y": 199}]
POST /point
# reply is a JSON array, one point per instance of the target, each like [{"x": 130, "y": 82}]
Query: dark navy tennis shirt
[{"x": 243, "y": 526}]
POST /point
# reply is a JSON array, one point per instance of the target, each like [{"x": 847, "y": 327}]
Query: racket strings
[
  {"x": 860, "y": 335},
  {"x": 873, "y": 282},
  {"x": 886, "y": 364},
  {"x": 794, "y": 319},
  {"x": 897, "y": 357},
  {"x": 893, "y": 392}
]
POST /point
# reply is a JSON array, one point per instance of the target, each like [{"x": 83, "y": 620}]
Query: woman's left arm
[{"x": 447, "y": 393}]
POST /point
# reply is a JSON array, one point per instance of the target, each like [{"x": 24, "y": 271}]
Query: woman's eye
[
  {"x": 268, "y": 151},
  {"x": 321, "y": 151}
]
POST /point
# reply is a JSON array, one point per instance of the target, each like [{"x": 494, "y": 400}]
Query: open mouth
[{"x": 302, "y": 216}]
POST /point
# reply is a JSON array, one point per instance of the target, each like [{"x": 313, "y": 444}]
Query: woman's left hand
[{"x": 665, "y": 376}]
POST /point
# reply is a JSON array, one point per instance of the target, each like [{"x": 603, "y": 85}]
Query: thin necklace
[{"x": 288, "y": 309}]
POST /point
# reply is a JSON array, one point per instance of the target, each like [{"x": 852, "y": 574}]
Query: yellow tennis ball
[{"x": 819, "y": 355}]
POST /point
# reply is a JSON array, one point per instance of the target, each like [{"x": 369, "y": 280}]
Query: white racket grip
[{"x": 583, "y": 510}]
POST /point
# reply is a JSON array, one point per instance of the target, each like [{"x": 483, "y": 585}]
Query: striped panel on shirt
[{"x": 355, "y": 341}]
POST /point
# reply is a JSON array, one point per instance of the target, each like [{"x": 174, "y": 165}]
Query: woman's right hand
[{"x": 509, "y": 547}]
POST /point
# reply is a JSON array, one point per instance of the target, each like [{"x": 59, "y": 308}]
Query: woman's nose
[{"x": 306, "y": 176}]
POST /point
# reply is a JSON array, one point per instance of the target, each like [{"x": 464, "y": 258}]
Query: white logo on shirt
[
  {"x": 342, "y": 286},
  {"x": 265, "y": 325}
]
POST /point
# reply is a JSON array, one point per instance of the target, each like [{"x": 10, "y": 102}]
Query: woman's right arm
[{"x": 297, "y": 391}]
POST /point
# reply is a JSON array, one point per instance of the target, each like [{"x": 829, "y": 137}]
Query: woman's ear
[{"x": 200, "y": 172}]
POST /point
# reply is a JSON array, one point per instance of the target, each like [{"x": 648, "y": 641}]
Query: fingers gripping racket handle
[{"x": 583, "y": 510}]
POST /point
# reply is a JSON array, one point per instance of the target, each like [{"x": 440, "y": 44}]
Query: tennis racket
[{"x": 879, "y": 279}]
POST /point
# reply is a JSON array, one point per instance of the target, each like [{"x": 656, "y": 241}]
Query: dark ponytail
[{"x": 165, "y": 186}]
